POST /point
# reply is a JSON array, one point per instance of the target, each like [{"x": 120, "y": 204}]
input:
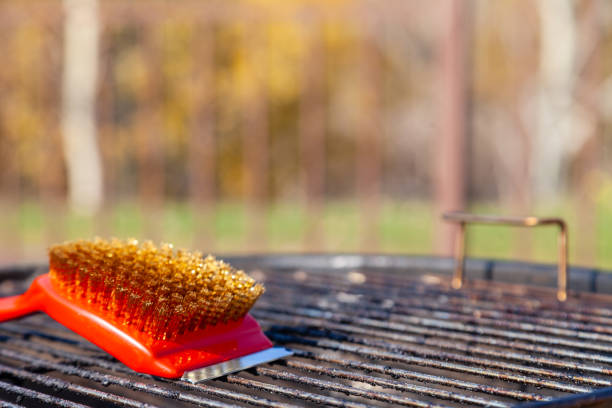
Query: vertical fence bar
[
  {"x": 149, "y": 148},
  {"x": 10, "y": 174},
  {"x": 256, "y": 138},
  {"x": 107, "y": 129},
  {"x": 451, "y": 142},
  {"x": 51, "y": 159},
  {"x": 520, "y": 200},
  {"x": 51, "y": 189},
  {"x": 589, "y": 156},
  {"x": 12, "y": 231},
  {"x": 201, "y": 147},
  {"x": 312, "y": 135},
  {"x": 370, "y": 132}
]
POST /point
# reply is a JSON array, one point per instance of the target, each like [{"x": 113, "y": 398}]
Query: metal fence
[{"x": 208, "y": 102}]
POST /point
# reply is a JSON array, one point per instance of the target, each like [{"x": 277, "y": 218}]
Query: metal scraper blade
[{"x": 236, "y": 364}]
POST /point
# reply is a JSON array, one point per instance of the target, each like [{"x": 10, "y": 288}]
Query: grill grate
[{"x": 366, "y": 331}]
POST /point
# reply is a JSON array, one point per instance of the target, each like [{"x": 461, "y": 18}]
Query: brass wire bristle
[{"x": 156, "y": 290}]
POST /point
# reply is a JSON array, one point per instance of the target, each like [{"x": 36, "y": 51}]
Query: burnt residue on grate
[{"x": 366, "y": 331}]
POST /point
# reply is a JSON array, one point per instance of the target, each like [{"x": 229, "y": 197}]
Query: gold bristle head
[{"x": 154, "y": 289}]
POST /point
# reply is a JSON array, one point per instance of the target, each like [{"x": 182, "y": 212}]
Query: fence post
[
  {"x": 149, "y": 140},
  {"x": 201, "y": 149},
  {"x": 255, "y": 133},
  {"x": 312, "y": 124},
  {"x": 370, "y": 134},
  {"x": 450, "y": 183}
]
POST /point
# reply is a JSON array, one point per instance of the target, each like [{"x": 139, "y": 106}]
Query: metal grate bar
[
  {"x": 383, "y": 284},
  {"x": 24, "y": 393},
  {"x": 405, "y": 323},
  {"x": 92, "y": 375},
  {"x": 374, "y": 353},
  {"x": 468, "y": 346},
  {"x": 413, "y": 375},
  {"x": 438, "y": 354},
  {"x": 107, "y": 379},
  {"x": 458, "y": 303},
  {"x": 218, "y": 392},
  {"x": 524, "y": 327},
  {"x": 497, "y": 342},
  {"x": 495, "y": 318},
  {"x": 528, "y": 309},
  {"x": 71, "y": 357},
  {"x": 347, "y": 389},
  {"x": 59, "y": 385},
  {"x": 375, "y": 310},
  {"x": 295, "y": 393},
  {"x": 474, "y": 308},
  {"x": 6, "y": 404},
  {"x": 27, "y": 331},
  {"x": 236, "y": 396},
  {"x": 445, "y": 356},
  {"x": 119, "y": 367},
  {"x": 397, "y": 385}
]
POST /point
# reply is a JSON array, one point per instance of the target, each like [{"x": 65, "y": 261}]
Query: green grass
[
  {"x": 30, "y": 222},
  {"x": 126, "y": 220},
  {"x": 406, "y": 227},
  {"x": 285, "y": 227},
  {"x": 341, "y": 227},
  {"x": 400, "y": 227},
  {"x": 229, "y": 227}
]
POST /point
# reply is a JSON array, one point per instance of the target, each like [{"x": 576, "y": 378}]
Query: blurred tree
[
  {"x": 555, "y": 135},
  {"x": 79, "y": 126}
]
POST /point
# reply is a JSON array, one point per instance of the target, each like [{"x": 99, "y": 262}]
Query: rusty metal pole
[
  {"x": 589, "y": 157},
  {"x": 451, "y": 142}
]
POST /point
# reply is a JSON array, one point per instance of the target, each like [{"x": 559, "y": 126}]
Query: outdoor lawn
[{"x": 405, "y": 227}]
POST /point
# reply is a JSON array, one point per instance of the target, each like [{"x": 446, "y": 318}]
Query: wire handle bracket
[{"x": 464, "y": 218}]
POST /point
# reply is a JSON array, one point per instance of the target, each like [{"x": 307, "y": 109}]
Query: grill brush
[{"x": 165, "y": 312}]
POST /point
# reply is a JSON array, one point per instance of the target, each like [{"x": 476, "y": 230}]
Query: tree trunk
[
  {"x": 557, "y": 76},
  {"x": 80, "y": 145}
]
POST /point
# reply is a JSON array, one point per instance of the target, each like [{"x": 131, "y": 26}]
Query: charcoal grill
[{"x": 366, "y": 330}]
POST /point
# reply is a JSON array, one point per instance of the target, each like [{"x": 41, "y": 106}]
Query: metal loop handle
[{"x": 463, "y": 218}]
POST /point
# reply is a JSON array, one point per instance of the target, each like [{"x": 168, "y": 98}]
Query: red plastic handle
[{"x": 17, "y": 306}]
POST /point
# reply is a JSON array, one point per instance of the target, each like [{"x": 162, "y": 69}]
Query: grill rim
[
  {"x": 581, "y": 279},
  {"x": 584, "y": 279},
  {"x": 592, "y": 399}
]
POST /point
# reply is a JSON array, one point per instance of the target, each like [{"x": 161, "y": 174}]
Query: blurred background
[{"x": 306, "y": 125}]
